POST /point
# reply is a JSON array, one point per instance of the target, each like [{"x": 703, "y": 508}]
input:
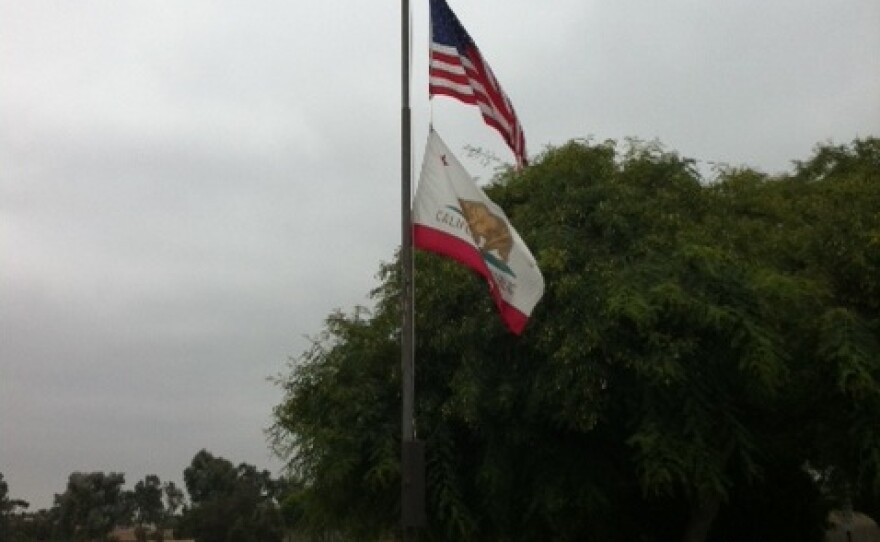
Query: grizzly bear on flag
[{"x": 490, "y": 232}]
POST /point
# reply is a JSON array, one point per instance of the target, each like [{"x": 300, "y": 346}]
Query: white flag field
[{"x": 453, "y": 217}]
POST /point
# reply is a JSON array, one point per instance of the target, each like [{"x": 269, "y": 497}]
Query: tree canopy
[
  {"x": 230, "y": 503},
  {"x": 92, "y": 504},
  {"x": 705, "y": 357},
  {"x": 8, "y": 507}
]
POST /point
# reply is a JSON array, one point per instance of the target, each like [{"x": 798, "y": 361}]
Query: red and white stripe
[{"x": 466, "y": 77}]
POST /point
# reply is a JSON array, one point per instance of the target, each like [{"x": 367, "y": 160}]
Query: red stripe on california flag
[{"x": 431, "y": 240}]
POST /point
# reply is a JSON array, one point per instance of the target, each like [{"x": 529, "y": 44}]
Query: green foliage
[
  {"x": 147, "y": 500},
  {"x": 347, "y": 441},
  {"x": 92, "y": 504},
  {"x": 697, "y": 347},
  {"x": 8, "y": 507},
  {"x": 173, "y": 497},
  {"x": 229, "y": 503},
  {"x": 36, "y": 526},
  {"x": 5, "y": 509}
]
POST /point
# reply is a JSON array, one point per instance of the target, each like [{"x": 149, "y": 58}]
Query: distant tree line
[{"x": 227, "y": 503}]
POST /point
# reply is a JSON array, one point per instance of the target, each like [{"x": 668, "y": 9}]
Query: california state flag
[{"x": 453, "y": 217}]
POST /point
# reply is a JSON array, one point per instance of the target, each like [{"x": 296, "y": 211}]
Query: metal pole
[
  {"x": 407, "y": 342},
  {"x": 407, "y": 339}
]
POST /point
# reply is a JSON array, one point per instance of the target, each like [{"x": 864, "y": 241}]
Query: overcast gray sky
[{"x": 187, "y": 188}]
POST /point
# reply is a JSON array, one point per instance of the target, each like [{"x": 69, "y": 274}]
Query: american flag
[{"x": 457, "y": 69}]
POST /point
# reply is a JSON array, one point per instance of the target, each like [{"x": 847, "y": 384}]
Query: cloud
[{"x": 189, "y": 188}]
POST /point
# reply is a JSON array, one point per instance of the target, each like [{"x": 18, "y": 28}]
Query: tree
[
  {"x": 174, "y": 499},
  {"x": 230, "y": 503},
  {"x": 92, "y": 504},
  {"x": 147, "y": 497},
  {"x": 8, "y": 508},
  {"x": 698, "y": 347},
  {"x": 147, "y": 507},
  {"x": 37, "y": 526},
  {"x": 842, "y": 205},
  {"x": 147, "y": 501}
]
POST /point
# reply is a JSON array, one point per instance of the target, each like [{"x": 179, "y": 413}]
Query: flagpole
[
  {"x": 407, "y": 332},
  {"x": 409, "y": 476}
]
